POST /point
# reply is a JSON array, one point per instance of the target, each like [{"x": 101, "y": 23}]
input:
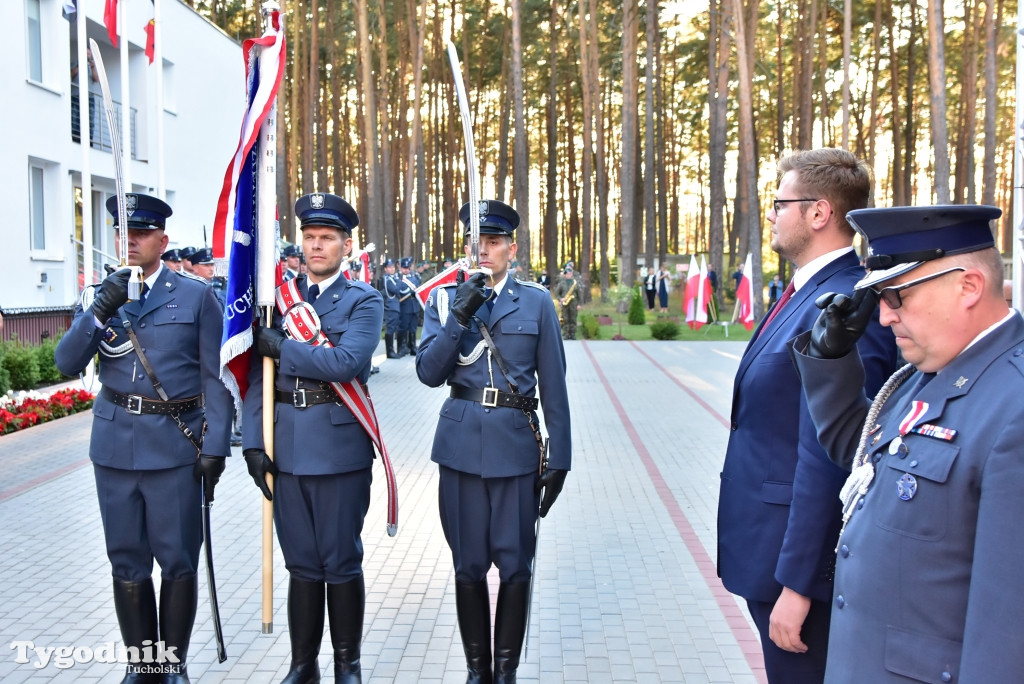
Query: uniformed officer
[
  {"x": 172, "y": 259},
  {"x": 292, "y": 261},
  {"x": 202, "y": 267},
  {"x": 186, "y": 255},
  {"x": 147, "y": 469},
  {"x": 486, "y": 443},
  {"x": 390, "y": 286},
  {"x": 568, "y": 295},
  {"x": 929, "y": 561},
  {"x": 322, "y": 453},
  {"x": 409, "y": 317}
]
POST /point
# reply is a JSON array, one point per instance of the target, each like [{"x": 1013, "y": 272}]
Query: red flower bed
[{"x": 33, "y": 410}]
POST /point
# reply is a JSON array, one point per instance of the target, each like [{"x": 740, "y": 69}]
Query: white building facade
[{"x": 179, "y": 145}]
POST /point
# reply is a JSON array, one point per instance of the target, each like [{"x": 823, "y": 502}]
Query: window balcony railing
[{"x": 99, "y": 130}]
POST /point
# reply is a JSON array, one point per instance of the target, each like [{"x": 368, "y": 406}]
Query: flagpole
[
  {"x": 126, "y": 109},
  {"x": 158, "y": 57},
  {"x": 85, "y": 140},
  {"x": 266, "y": 258}
]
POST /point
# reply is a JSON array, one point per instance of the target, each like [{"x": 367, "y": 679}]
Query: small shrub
[
  {"x": 589, "y": 326},
  {"x": 47, "y": 367},
  {"x": 5, "y": 377},
  {"x": 636, "y": 308},
  {"x": 664, "y": 330},
  {"x": 23, "y": 366}
]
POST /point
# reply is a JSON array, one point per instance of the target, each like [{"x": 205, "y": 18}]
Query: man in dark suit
[
  {"x": 930, "y": 558},
  {"x": 323, "y": 455},
  {"x": 778, "y": 509},
  {"x": 148, "y": 471},
  {"x": 486, "y": 442}
]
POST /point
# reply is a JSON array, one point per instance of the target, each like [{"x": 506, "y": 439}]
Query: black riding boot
[
  {"x": 305, "y": 629},
  {"x": 345, "y": 605},
  {"x": 178, "y": 600},
  {"x": 135, "y": 605},
  {"x": 401, "y": 336},
  {"x": 412, "y": 342},
  {"x": 473, "y": 606},
  {"x": 389, "y": 345},
  {"x": 509, "y": 629}
]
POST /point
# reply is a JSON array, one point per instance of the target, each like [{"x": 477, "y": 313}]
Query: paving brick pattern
[{"x": 625, "y": 588}]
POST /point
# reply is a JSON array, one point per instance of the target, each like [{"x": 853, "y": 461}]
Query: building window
[
  {"x": 36, "y": 199},
  {"x": 34, "y": 40}
]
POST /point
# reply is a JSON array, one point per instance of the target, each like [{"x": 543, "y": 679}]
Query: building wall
[{"x": 204, "y": 97}]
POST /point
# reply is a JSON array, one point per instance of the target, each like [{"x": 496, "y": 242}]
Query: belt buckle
[
  {"x": 490, "y": 398},
  {"x": 134, "y": 406},
  {"x": 299, "y": 398}
]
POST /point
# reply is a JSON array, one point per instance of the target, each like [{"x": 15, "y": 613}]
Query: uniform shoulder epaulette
[
  {"x": 192, "y": 276},
  {"x": 530, "y": 283}
]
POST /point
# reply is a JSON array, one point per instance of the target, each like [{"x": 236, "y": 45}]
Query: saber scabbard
[{"x": 211, "y": 582}]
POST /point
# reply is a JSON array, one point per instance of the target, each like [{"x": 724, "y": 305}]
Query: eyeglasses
[
  {"x": 891, "y": 295},
  {"x": 776, "y": 202}
]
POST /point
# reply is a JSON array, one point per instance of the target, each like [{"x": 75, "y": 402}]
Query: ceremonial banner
[
  {"x": 694, "y": 304},
  {"x": 236, "y": 229},
  {"x": 110, "y": 20},
  {"x": 445, "y": 277}
]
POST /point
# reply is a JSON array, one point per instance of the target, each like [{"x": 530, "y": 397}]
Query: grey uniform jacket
[
  {"x": 179, "y": 327},
  {"x": 927, "y": 581}
]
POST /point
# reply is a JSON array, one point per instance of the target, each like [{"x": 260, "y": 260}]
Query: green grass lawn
[{"x": 619, "y": 326}]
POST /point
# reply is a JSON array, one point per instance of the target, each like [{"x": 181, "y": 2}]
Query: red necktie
[{"x": 778, "y": 307}]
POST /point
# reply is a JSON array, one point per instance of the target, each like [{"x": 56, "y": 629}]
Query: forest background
[{"x": 633, "y": 133}]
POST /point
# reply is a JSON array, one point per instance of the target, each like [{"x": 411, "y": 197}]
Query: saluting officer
[
  {"x": 147, "y": 469},
  {"x": 489, "y": 495},
  {"x": 390, "y": 286},
  {"x": 322, "y": 453},
  {"x": 929, "y": 561},
  {"x": 409, "y": 317}
]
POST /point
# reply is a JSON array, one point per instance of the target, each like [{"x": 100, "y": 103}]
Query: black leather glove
[
  {"x": 207, "y": 470},
  {"x": 111, "y": 295},
  {"x": 259, "y": 464},
  {"x": 551, "y": 482},
  {"x": 269, "y": 341},
  {"x": 469, "y": 297},
  {"x": 841, "y": 323}
]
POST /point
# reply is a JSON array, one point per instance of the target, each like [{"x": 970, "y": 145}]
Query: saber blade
[{"x": 471, "y": 177}]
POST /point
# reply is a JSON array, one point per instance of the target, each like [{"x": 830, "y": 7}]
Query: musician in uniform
[
  {"x": 390, "y": 286},
  {"x": 409, "y": 318},
  {"x": 489, "y": 496},
  {"x": 930, "y": 555},
  {"x": 322, "y": 454},
  {"x": 150, "y": 454},
  {"x": 567, "y": 293}
]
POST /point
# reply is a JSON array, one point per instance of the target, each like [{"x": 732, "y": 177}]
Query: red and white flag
[
  {"x": 745, "y": 296},
  {"x": 445, "y": 277},
  {"x": 694, "y": 304}
]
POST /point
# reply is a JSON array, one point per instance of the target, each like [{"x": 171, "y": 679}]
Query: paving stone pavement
[{"x": 625, "y": 587}]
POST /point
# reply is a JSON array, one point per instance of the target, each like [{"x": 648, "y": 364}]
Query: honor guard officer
[
  {"x": 202, "y": 267},
  {"x": 931, "y": 553},
  {"x": 390, "y": 286},
  {"x": 172, "y": 259},
  {"x": 322, "y": 454},
  {"x": 487, "y": 439},
  {"x": 148, "y": 454},
  {"x": 409, "y": 306},
  {"x": 186, "y": 255},
  {"x": 292, "y": 261}
]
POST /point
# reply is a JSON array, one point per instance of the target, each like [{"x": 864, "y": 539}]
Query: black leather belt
[
  {"x": 302, "y": 397},
  {"x": 137, "y": 404},
  {"x": 492, "y": 397}
]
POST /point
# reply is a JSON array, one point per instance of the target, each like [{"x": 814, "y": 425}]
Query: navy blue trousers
[
  {"x": 489, "y": 520},
  {"x": 319, "y": 521},
  {"x": 150, "y": 514}
]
